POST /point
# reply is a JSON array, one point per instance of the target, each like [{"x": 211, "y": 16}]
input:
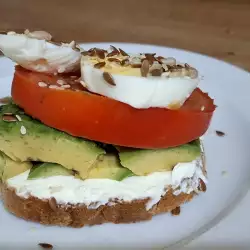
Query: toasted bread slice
[{"x": 48, "y": 213}]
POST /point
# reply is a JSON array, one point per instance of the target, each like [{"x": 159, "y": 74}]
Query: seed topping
[
  {"x": 148, "y": 63},
  {"x": 42, "y": 84},
  {"x": 53, "y": 204},
  {"x": 9, "y": 117},
  {"x": 23, "y": 130},
  {"x": 145, "y": 68},
  {"x": 108, "y": 78},
  {"x": 99, "y": 65}
]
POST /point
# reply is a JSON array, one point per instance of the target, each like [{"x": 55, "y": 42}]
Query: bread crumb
[
  {"x": 219, "y": 133},
  {"x": 224, "y": 173},
  {"x": 176, "y": 211},
  {"x": 45, "y": 246}
]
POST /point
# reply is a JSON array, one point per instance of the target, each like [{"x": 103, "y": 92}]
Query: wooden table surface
[{"x": 219, "y": 28}]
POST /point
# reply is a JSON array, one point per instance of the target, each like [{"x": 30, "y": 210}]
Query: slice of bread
[{"x": 49, "y": 213}]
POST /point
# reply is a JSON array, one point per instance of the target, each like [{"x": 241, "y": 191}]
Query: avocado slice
[
  {"x": 146, "y": 161},
  {"x": 12, "y": 168},
  {"x": 45, "y": 144},
  {"x": 109, "y": 167},
  {"x": 106, "y": 167},
  {"x": 47, "y": 169}
]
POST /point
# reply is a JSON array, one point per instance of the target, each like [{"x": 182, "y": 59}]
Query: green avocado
[
  {"x": 146, "y": 161},
  {"x": 47, "y": 169},
  {"x": 2, "y": 164},
  {"x": 106, "y": 167},
  {"x": 30, "y": 140},
  {"x": 12, "y": 168},
  {"x": 109, "y": 167}
]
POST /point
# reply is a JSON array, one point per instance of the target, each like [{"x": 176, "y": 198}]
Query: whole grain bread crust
[
  {"x": 44, "y": 212},
  {"x": 49, "y": 213}
]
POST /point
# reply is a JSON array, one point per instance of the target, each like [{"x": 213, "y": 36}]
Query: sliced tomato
[{"x": 95, "y": 117}]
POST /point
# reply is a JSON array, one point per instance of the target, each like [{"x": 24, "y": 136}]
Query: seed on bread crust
[
  {"x": 53, "y": 204},
  {"x": 202, "y": 187}
]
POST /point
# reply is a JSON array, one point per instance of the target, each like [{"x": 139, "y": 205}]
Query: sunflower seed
[
  {"x": 114, "y": 49},
  {"x": 100, "y": 53},
  {"x": 123, "y": 53},
  {"x": 113, "y": 53},
  {"x": 91, "y": 52},
  {"x": 150, "y": 58}
]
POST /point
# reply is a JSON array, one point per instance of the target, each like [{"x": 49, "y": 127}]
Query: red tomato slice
[{"x": 95, "y": 117}]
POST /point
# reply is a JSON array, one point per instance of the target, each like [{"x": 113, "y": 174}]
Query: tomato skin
[{"x": 102, "y": 119}]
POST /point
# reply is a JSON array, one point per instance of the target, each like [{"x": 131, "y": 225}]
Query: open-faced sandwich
[{"x": 99, "y": 136}]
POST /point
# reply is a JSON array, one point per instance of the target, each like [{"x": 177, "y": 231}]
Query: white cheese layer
[
  {"x": 136, "y": 91},
  {"x": 185, "y": 178},
  {"x": 40, "y": 55}
]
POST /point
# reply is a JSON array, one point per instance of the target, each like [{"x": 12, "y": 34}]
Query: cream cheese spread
[{"x": 185, "y": 177}]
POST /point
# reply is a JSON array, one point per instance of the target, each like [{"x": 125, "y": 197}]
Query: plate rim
[{"x": 243, "y": 189}]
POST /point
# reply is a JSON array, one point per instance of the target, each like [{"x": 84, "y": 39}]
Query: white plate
[{"x": 227, "y": 162}]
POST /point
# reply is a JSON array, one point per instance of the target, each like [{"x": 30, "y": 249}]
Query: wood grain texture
[{"x": 219, "y": 28}]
